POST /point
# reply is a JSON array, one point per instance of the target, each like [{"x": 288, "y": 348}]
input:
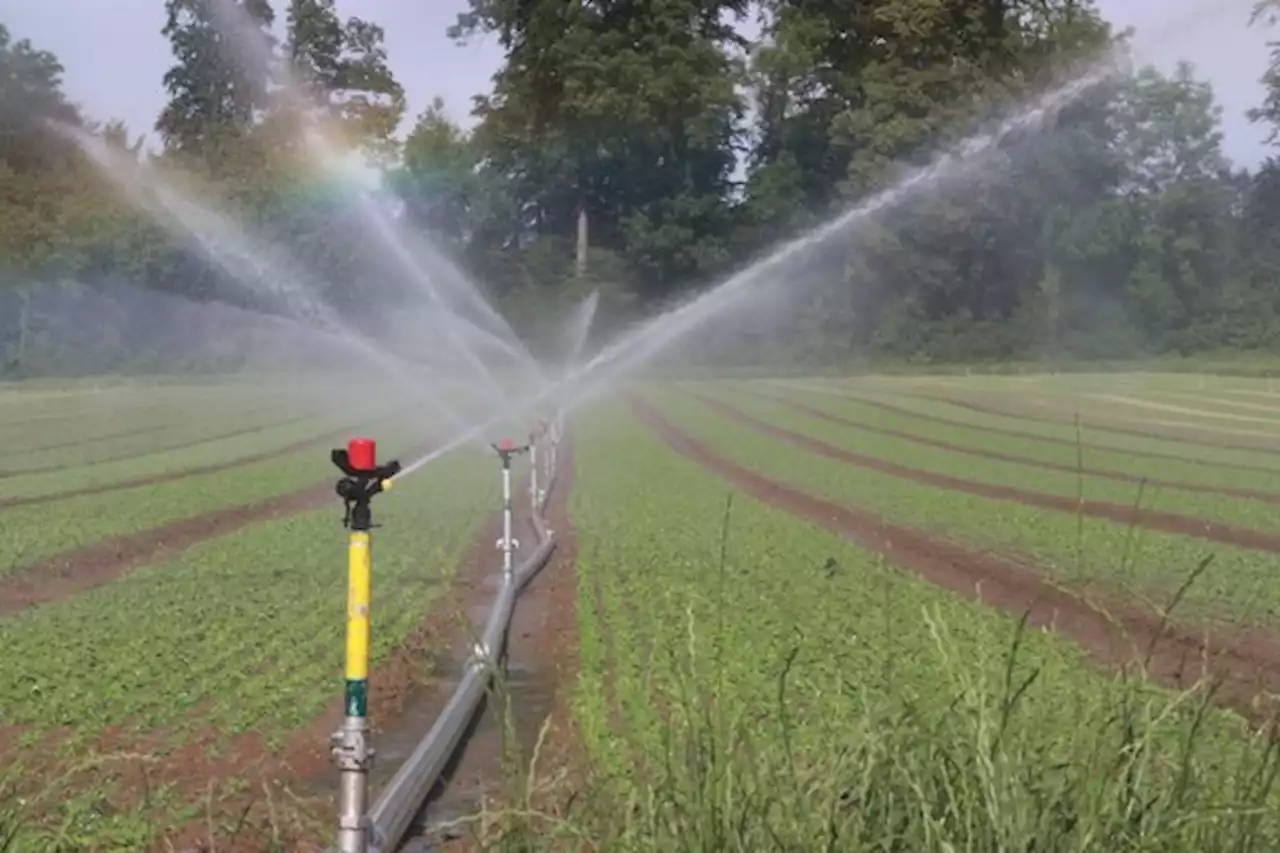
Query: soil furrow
[
  {"x": 61, "y": 576},
  {"x": 541, "y": 657},
  {"x": 1023, "y": 435},
  {"x": 1019, "y": 459},
  {"x": 1173, "y": 654},
  {"x": 1261, "y": 446},
  {"x": 1165, "y": 522}
]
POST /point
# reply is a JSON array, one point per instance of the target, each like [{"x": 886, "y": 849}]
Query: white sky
[{"x": 115, "y": 56}]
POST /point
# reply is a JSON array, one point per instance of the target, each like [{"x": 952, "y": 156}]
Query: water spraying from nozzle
[
  {"x": 260, "y": 269},
  {"x": 427, "y": 270},
  {"x": 580, "y": 325},
  {"x": 581, "y": 384}
]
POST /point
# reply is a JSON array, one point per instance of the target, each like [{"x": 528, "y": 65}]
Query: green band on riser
[{"x": 357, "y": 703}]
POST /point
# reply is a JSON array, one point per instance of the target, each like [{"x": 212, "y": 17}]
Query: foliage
[
  {"x": 749, "y": 682},
  {"x": 683, "y": 147}
]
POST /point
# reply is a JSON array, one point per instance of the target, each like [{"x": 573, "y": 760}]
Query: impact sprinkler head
[
  {"x": 362, "y": 479},
  {"x": 506, "y": 449}
]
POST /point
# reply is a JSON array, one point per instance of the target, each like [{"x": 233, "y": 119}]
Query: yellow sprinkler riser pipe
[{"x": 359, "y": 562}]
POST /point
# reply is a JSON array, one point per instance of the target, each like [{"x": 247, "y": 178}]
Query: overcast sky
[{"x": 115, "y": 56}]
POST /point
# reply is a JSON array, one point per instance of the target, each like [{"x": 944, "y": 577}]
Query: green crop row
[
  {"x": 750, "y": 682},
  {"x": 241, "y": 633},
  {"x": 976, "y": 438},
  {"x": 1239, "y": 585},
  {"x": 1115, "y": 415},
  {"x": 162, "y": 461},
  {"x": 149, "y": 455},
  {"x": 1064, "y": 431},
  {"x": 29, "y": 533},
  {"x": 86, "y": 416},
  {"x": 181, "y": 432},
  {"x": 246, "y": 627},
  {"x": 923, "y": 457}
]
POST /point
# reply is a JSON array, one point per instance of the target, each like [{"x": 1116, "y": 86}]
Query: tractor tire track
[
  {"x": 1172, "y": 654},
  {"x": 1166, "y": 522},
  {"x": 61, "y": 576},
  {"x": 1023, "y": 435},
  {"x": 1018, "y": 459}
]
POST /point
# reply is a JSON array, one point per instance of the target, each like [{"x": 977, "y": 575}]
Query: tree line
[{"x": 645, "y": 149}]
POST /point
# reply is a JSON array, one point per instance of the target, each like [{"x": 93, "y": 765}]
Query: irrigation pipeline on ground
[{"x": 381, "y": 826}]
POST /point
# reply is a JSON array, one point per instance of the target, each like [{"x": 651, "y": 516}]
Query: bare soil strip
[
  {"x": 1022, "y": 435},
  {"x": 1029, "y": 461},
  {"x": 61, "y": 576},
  {"x": 1101, "y": 426},
  {"x": 542, "y": 658},
  {"x": 1166, "y": 522},
  {"x": 1175, "y": 655}
]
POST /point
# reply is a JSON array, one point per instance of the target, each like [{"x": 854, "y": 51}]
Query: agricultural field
[{"x": 925, "y": 613}]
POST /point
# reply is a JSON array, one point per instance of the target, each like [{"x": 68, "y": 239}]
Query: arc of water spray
[
  {"x": 217, "y": 238},
  {"x": 579, "y": 384},
  {"x": 252, "y": 45},
  {"x": 580, "y": 328}
]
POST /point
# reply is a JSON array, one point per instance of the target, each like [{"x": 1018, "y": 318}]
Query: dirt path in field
[
  {"x": 1022, "y": 435},
  {"x": 1029, "y": 461},
  {"x": 1176, "y": 655},
  {"x": 1101, "y": 426},
  {"x": 1166, "y": 522},
  {"x": 542, "y": 661},
  {"x": 61, "y": 576}
]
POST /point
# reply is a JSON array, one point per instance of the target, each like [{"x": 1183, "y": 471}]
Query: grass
[
  {"x": 1240, "y": 585},
  {"x": 747, "y": 681}
]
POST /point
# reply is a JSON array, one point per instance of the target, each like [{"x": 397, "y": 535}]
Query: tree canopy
[{"x": 647, "y": 149}]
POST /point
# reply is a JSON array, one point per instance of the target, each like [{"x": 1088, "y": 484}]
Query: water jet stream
[
  {"x": 258, "y": 268},
  {"x": 580, "y": 384}
]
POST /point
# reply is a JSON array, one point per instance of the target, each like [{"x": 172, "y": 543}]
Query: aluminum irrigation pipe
[{"x": 403, "y": 796}]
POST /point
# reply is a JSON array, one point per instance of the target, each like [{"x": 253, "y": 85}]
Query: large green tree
[
  {"x": 217, "y": 88},
  {"x": 343, "y": 68},
  {"x": 625, "y": 115}
]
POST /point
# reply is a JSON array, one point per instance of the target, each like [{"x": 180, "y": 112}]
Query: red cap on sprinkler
[
  {"x": 362, "y": 453},
  {"x": 506, "y": 444}
]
